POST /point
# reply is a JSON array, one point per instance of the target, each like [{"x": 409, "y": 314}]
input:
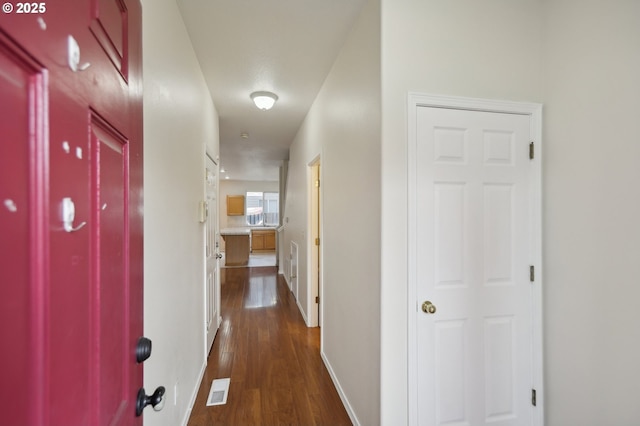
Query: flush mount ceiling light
[{"x": 264, "y": 100}]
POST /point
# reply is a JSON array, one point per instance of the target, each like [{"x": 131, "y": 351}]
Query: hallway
[{"x": 271, "y": 356}]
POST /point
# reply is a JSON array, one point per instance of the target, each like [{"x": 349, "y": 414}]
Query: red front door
[{"x": 70, "y": 212}]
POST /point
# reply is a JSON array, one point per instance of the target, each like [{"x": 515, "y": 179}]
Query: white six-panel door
[
  {"x": 473, "y": 241},
  {"x": 212, "y": 286}
]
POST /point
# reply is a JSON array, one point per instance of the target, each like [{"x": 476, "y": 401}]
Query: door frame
[
  {"x": 534, "y": 111},
  {"x": 314, "y": 251},
  {"x": 293, "y": 272}
]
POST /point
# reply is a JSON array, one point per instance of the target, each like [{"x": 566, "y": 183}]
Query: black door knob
[
  {"x": 143, "y": 349},
  {"x": 156, "y": 400}
]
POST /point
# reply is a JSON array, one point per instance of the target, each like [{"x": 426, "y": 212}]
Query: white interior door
[
  {"x": 472, "y": 244},
  {"x": 212, "y": 253}
]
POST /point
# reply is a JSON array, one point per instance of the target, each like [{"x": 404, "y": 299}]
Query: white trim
[
  {"x": 313, "y": 273},
  {"x": 534, "y": 111},
  {"x": 194, "y": 395},
  {"x": 320, "y": 308},
  {"x": 296, "y": 290},
  {"x": 343, "y": 396},
  {"x": 304, "y": 316}
]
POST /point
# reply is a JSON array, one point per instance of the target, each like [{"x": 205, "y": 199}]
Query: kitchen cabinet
[
  {"x": 235, "y": 205},
  {"x": 263, "y": 240}
]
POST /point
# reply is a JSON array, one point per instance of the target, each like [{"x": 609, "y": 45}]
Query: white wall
[
  {"x": 343, "y": 128},
  {"x": 486, "y": 49},
  {"x": 592, "y": 206},
  {"x": 179, "y": 120}
]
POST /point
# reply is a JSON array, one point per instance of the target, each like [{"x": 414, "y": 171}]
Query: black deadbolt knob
[
  {"x": 156, "y": 400},
  {"x": 143, "y": 349}
]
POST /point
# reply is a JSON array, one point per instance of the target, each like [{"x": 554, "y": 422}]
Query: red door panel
[
  {"x": 111, "y": 272},
  {"x": 109, "y": 25}
]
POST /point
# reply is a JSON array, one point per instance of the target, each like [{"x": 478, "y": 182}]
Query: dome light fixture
[{"x": 264, "y": 100}]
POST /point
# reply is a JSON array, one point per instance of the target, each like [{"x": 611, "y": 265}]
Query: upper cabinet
[{"x": 235, "y": 205}]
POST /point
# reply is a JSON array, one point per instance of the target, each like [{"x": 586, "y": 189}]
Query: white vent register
[{"x": 218, "y": 392}]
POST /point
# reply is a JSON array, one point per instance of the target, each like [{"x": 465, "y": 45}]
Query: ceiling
[{"x": 282, "y": 46}]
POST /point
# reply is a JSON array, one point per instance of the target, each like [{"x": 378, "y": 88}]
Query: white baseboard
[
  {"x": 286, "y": 280},
  {"x": 304, "y": 317},
  {"x": 194, "y": 394},
  {"x": 343, "y": 397}
]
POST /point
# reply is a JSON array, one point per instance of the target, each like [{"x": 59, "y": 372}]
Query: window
[{"x": 263, "y": 208}]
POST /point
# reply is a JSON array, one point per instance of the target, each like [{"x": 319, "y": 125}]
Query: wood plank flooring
[{"x": 271, "y": 356}]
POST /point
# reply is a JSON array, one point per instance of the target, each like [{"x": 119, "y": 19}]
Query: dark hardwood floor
[{"x": 271, "y": 356}]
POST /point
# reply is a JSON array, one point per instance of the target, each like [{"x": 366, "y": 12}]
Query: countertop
[
  {"x": 245, "y": 230},
  {"x": 235, "y": 231}
]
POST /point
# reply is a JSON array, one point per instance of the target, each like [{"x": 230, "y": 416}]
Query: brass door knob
[{"x": 428, "y": 307}]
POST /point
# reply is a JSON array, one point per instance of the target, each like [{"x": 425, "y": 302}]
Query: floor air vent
[{"x": 218, "y": 392}]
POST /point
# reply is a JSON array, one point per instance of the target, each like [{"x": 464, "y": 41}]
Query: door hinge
[
  {"x": 317, "y": 183},
  {"x": 317, "y": 241},
  {"x": 533, "y": 397},
  {"x": 532, "y": 273},
  {"x": 531, "y": 151},
  {"x": 317, "y": 299}
]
